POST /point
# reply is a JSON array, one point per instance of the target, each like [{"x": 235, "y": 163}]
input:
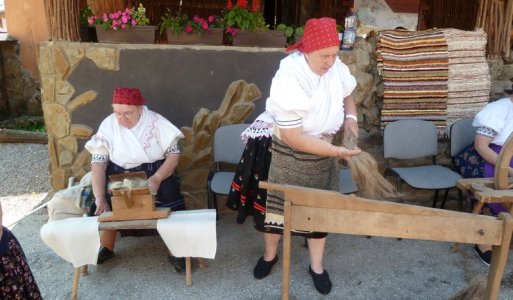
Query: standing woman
[
  {"x": 16, "y": 279},
  {"x": 494, "y": 125},
  {"x": 134, "y": 138},
  {"x": 310, "y": 101}
]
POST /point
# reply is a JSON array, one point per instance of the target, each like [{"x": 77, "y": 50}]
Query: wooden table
[{"x": 132, "y": 224}]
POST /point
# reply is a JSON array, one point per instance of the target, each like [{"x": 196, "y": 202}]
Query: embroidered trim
[
  {"x": 289, "y": 123},
  {"x": 100, "y": 139},
  {"x": 173, "y": 149},
  {"x": 486, "y": 131},
  {"x": 99, "y": 158},
  {"x": 257, "y": 129},
  {"x": 149, "y": 129}
]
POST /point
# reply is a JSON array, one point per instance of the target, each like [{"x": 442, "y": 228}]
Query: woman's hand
[
  {"x": 351, "y": 124},
  {"x": 101, "y": 206},
  {"x": 154, "y": 183},
  {"x": 345, "y": 153}
]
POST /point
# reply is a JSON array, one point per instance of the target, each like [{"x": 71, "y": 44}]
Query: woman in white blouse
[
  {"x": 134, "y": 138},
  {"x": 494, "y": 125},
  {"x": 310, "y": 100}
]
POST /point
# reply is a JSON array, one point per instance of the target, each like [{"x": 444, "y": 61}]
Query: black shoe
[
  {"x": 322, "y": 281},
  {"x": 104, "y": 255},
  {"x": 178, "y": 263},
  {"x": 263, "y": 267},
  {"x": 486, "y": 257}
]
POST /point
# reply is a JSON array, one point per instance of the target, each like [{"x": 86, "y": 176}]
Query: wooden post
[
  {"x": 188, "y": 271},
  {"x": 499, "y": 258},
  {"x": 287, "y": 236},
  {"x": 74, "y": 289}
]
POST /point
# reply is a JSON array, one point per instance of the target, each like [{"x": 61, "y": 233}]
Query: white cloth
[
  {"x": 147, "y": 142},
  {"x": 67, "y": 203},
  {"x": 190, "y": 233},
  {"x": 261, "y": 127},
  {"x": 299, "y": 97},
  {"x": 498, "y": 116},
  {"x": 76, "y": 240}
]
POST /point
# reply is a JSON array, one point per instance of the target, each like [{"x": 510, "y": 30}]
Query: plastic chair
[
  {"x": 462, "y": 134},
  {"x": 416, "y": 139},
  {"x": 346, "y": 183},
  {"x": 227, "y": 149}
]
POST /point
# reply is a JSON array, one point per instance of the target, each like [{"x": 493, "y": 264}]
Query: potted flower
[
  {"x": 182, "y": 30},
  {"x": 245, "y": 25},
  {"x": 124, "y": 26},
  {"x": 86, "y": 30}
]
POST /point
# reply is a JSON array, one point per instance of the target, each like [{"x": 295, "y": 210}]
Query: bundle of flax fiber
[{"x": 371, "y": 184}]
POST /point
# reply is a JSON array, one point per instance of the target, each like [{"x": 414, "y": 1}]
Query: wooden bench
[
  {"x": 327, "y": 211},
  {"x": 133, "y": 224}
]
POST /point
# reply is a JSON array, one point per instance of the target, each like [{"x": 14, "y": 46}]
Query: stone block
[
  {"x": 57, "y": 120},
  {"x": 74, "y": 55},
  {"x": 81, "y": 100},
  {"x": 64, "y": 90},
  {"x": 65, "y": 158},
  {"x": 81, "y": 131},
  {"x": 45, "y": 62},
  {"x": 59, "y": 178},
  {"x": 60, "y": 62},
  {"x": 104, "y": 57},
  {"x": 48, "y": 88},
  {"x": 82, "y": 161}
]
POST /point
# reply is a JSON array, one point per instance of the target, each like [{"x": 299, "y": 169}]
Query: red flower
[
  {"x": 242, "y": 3},
  {"x": 255, "y": 5},
  {"x": 229, "y": 4}
]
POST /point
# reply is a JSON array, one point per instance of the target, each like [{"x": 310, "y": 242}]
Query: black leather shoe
[
  {"x": 322, "y": 281},
  {"x": 178, "y": 263},
  {"x": 104, "y": 255},
  {"x": 486, "y": 257},
  {"x": 263, "y": 267}
]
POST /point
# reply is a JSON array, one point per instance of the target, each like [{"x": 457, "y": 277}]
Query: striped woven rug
[{"x": 438, "y": 75}]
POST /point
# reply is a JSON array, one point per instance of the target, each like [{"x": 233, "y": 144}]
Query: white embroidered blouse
[
  {"x": 150, "y": 140},
  {"x": 301, "y": 97},
  {"x": 495, "y": 121}
]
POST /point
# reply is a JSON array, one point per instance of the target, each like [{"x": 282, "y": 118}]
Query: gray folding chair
[
  {"x": 346, "y": 183},
  {"x": 462, "y": 134},
  {"x": 413, "y": 140},
  {"x": 227, "y": 149}
]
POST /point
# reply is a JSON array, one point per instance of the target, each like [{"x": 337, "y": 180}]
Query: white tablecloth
[{"x": 188, "y": 233}]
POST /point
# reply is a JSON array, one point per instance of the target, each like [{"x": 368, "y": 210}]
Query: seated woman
[
  {"x": 134, "y": 138},
  {"x": 494, "y": 125}
]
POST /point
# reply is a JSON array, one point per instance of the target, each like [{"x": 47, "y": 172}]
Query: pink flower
[
  {"x": 90, "y": 20},
  {"x": 188, "y": 29},
  {"x": 124, "y": 19},
  {"x": 123, "y": 26},
  {"x": 231, "y": 30},
  {"x": 105, "y": 18},
  {"x": 127, "y": 11},
  {"x": 210, "y": 19},
  {"x": 204, "y": 25},
  {"x": 197, "y": 19},
  {"x": 134, "y": 22}
]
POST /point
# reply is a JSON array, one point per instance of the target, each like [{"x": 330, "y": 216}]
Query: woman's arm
[
  {"x": 167, "y": 169},
  {"x": 482, "y": 144},
  {"x": 350, "y": 110},
  {"x": 297, "y": 139},
  {"x": 99, "y": 180}
]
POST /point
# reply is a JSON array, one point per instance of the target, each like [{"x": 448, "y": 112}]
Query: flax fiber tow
[{"x": 371, "y": 184}]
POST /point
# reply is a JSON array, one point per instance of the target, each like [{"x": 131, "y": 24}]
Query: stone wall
[{"x": 19, "y": 93}]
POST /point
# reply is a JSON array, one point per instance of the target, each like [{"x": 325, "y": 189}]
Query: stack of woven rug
[{"x": 438, "y": 75}]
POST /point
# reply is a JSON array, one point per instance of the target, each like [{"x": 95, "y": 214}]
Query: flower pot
[
  {"x": 132, "y": 35},
  {"x": 88, "y": 34},
  {"x": 270, "y": 38},
  {"x": 214, "y": 37}
]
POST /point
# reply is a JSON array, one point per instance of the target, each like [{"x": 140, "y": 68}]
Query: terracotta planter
[
  {"x": 214, "y": 37},
  {"x": 270, "y": 38},
  {"x": 132, "y": 35}
]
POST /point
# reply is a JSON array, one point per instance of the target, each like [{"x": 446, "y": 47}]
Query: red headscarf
[
  {"x": 128, "y": 96},
  {"x": 319, "y": 34}
]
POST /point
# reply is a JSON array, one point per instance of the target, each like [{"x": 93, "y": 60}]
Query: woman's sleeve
[
  {"x": 492, "y": 116},
  {"x": 288, "y": 103},
  {"x": 99, "y": 145},
  {"x": 168, "y": 136},
  {"x": 348, "y": 80}
]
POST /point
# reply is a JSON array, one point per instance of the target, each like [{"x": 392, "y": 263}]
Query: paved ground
[{"x": 360, "y": 268}]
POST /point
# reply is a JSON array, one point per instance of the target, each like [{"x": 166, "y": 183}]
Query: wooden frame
[{"x": 338, "y": 213}]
